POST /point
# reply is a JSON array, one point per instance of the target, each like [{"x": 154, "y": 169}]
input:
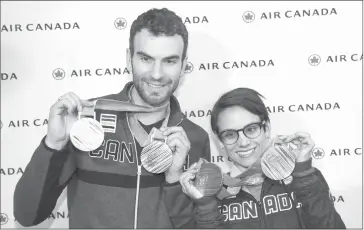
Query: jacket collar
[{"x": 176, "y": 116}]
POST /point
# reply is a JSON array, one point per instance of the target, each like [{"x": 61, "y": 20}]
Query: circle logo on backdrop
[
  {"x": 120, "y": 23},
  {"x": 248, "y": 16},
  {"x": 4, "y": 218},
  {"x": 314, "y": 60},
  {"x": 318, "y": 153},
  {"x": 58, "y": 74},
  {"x": 189, "y": 67}
]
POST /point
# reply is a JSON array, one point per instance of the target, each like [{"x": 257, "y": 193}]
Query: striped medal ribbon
[{"x": 87, "y": 134}]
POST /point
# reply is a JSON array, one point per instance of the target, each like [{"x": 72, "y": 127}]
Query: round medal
[
  {"x": 278, "y": 162},
  {"x": 87, "y": 134},
  {"x": 209, "y": 179},
  {"x": 156, "y": 157}
]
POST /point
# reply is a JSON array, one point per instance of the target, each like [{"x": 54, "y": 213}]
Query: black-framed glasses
[{"x": 231, "y": 136}]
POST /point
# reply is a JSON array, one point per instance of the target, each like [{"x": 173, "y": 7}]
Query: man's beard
[{"x": 153, "y": 99}]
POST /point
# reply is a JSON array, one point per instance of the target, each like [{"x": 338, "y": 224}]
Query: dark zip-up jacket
[
  {"x": 304, "y": 203},
  {"x": 102, "y": 185}
]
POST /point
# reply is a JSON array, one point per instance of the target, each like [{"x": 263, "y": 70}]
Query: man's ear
[
  {"x": 129, "y": 66},
  {"x": 184, "y": 63}
]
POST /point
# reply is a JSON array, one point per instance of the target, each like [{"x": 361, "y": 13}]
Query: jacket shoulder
[{"x": 194, "y": 131}]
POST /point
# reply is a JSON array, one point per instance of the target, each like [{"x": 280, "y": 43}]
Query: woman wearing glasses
[{"x": 241, "y": 121}]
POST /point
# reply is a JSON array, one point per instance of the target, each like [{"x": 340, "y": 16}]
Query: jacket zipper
[
  {"x": 137, "y": 196},
  {"x": 139, "y": 173},
  {"x": 260, "y": 207}
]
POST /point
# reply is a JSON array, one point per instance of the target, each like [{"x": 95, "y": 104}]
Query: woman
[{"x": 241, "y": 121}]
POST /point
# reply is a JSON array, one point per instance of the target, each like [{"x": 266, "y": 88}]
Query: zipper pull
[{"x": 139, "y": 170}]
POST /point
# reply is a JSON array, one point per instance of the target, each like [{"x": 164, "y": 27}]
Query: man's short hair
[
  {"x": 159, "y": 22},
  {"x": 246, "y": 98}
]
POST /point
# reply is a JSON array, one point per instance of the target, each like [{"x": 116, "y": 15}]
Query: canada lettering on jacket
[
  {"x": 344, "y": 58},
  {"x": 303, "y": 107},
  {"x": 236, "y": 64},
  {"x": 27, "y": 123},
  {"x": 8, "y": 76},
  {"x": 346, "y": 152},
  {"x": 99, "y": 72},
  {"x": 299, "y": 13},
  {"x": 195, "y": 20},
  {"x": 113, "y": 149},
  {"x": 40, "y": 27},
  {"x": 249, "y": 210},
  {"x": 11, "y": 171}
]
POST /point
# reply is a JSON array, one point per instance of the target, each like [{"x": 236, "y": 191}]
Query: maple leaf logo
[
  {"x": 59, "y": 74},
  {"x": 120, "y": 23},
  {"x": 318, "y": 153},
  {"x": 248, "y": 16},
  {"x": 314, "y": 60},
  {"x": 189, "y": 67},
  {"x": 3, "y": 218}
]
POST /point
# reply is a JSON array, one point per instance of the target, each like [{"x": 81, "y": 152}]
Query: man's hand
[
  {"x": 187, "y": 185},
  {"x": 304, "y": 145},
  {"x": 180, "y": 145}
]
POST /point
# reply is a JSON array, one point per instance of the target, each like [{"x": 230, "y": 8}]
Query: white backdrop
[{"x": 304, "y": 57}]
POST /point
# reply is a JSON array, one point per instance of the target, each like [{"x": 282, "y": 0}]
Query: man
[
  {"x": 108, "y": 187},
  {"x": 241, "y": 121}
]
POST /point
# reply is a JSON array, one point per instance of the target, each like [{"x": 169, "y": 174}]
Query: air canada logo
[
  {"x": 314, "y": 60},
  {"x": 11, "y": 171},
  {"x": 303, "y": 13},
  {"x": 248, "y": 16},
  {"x": 195, "y": 20},
  {"x": 38, "y": 122},
  {"x": 8, "y": 76},
  {"x": 318, "y": 153},
  {"x": 4, "y": 218},
  {"x": 189, "y": 67},
  {"x": 58, "y": 74},
  {"x": 120, "y": 23},
  {"x": 40, "y": 27}
]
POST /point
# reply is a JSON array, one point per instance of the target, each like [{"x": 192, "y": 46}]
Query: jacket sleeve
[
  {"x": 41, "y": 184},
  {"x": 181, "y": 208},
  {"x": 313, "y": 192}
]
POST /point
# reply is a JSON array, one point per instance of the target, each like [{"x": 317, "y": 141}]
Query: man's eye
[
  {"x": 171, "y": 62},
  {"x": 146, "y": 59}
]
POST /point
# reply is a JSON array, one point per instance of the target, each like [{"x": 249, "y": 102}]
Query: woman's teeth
[{"x": 245, "y": 153}]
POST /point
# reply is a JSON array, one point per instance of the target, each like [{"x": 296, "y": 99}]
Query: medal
[
  {"x": 209, "y": 178},
  {"x": 278, "y": 161},
  {"x": 156, "y": 156},
  {"x": 87, "y": 134}
]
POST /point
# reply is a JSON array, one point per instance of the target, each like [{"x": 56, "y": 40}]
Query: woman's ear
[{"x": 267, "y": 129}]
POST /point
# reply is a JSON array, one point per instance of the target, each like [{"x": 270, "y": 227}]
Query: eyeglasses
[{"x": 231, "y": 136}]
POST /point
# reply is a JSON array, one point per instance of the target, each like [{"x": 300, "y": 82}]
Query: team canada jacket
[
  {"x": 304, "y": 203},
  {"x": 108, "y": 187}
]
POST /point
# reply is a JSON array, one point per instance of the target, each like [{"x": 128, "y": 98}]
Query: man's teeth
[
  {"x": 245, "y": 153},
  {"x": 155, "y": 86}
]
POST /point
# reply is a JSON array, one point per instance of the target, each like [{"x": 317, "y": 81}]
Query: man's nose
[{"x": 157, "y": 70}]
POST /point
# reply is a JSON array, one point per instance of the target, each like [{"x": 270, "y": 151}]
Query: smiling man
[{"x": 109, "y": 187}]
